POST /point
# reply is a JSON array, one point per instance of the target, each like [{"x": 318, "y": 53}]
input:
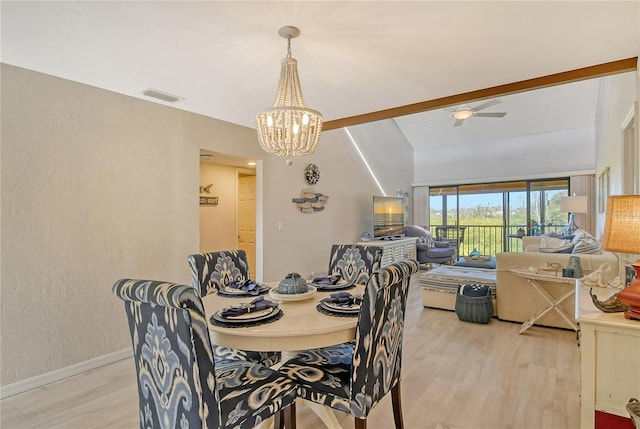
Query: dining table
[{"x": 301, "y": 326}]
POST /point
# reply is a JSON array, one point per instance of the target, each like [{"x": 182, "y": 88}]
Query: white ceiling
[
  {"x": 565, "y": 107},
  {"x": 354, "y": 57}
]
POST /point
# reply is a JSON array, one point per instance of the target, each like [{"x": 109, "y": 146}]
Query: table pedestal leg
[{"x": 326, "y": 414}]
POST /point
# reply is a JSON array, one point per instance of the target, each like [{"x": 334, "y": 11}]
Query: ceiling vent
[{"x": 164, "y": 96}]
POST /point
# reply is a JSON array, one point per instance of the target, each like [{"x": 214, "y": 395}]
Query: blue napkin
[
  {"x": 343, "y": 298},
  {"x": 329, "y": 280},
  {"x": 249, "y": 286},
  {"x": 256, "y": 305}
]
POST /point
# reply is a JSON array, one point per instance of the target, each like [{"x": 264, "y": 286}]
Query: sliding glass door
[{"x": 493, "y": 217}]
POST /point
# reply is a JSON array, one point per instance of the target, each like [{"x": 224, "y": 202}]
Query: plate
[
  {"x": 340, "y": 308},
  {"x": 284, "y": 297},
  {"x": 340, "y": 284},
  {"x": 249, "y": 317},
  {"x": 235, "y": 291}
]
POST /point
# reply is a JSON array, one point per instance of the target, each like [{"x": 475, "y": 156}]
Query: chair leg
[
  {"x": 360, "y": 423},
  {"x": 397, "y": 405},
  {"x": 290, "y": 416},
  {"x": 278, "y": 420}
]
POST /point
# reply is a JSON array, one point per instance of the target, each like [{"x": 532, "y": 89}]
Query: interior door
[{"x": 247, "y": 218}]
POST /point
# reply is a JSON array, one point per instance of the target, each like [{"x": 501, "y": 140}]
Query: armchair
[{"x": 430, "y": 251}]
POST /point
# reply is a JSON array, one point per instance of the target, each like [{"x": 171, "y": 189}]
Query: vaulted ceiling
[{"x": 223, "y": 58}]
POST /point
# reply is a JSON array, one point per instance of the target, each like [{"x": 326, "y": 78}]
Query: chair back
[
  {"x": 172, "y": 353},
  {"x": 211, "y": 271},
  {"x": 416, "y": 231},
  {"x": 353, "y": 262},
  {"x": 377, "y": 353}
]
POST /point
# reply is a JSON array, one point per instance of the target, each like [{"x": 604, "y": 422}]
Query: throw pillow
[
  {"x": 583, "y": 242},
  {"x": 565, "y": 248},
  {"x": 427, "y": 240},
  {"x": 562, "y": 237},
  {"x": 548, "y": 241},
  {"x": 554, "y": 245}
]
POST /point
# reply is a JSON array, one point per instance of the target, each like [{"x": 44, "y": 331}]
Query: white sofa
[{"x": 518, "y": 300}]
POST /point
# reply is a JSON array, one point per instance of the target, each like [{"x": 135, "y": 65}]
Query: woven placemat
[
  {"x": 273, "y": 318},
  {"x": 323, "y": 310}
]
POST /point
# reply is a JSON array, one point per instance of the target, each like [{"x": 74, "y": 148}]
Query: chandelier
[{"x": 289, "y": 128}]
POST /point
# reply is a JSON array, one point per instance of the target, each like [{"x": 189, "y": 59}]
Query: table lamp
[
  {"x": 622, "y": 234},
  {"x": 573, "y": 205}
]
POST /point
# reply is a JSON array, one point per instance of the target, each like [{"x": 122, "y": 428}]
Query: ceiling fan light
[{"x": 462, "y": 114}]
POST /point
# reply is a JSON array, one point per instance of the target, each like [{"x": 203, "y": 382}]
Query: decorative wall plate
[{"x": 312, "y": 174}]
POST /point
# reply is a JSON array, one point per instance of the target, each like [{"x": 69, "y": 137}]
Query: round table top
[{"x": 301, "y": 327}]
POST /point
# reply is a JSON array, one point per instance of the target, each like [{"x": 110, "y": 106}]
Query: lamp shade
[
  {"x": 574, "y": 204},
  {"x": 622, "y": 234},
  {"x": 622, "y": 225}
]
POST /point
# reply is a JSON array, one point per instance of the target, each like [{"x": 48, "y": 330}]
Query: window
[{"x": 493, "y": 217}]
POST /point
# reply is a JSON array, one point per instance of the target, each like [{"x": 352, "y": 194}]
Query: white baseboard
[{"x": 62, "y": 373}]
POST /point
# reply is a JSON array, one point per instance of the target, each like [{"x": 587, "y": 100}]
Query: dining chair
[
  {"x": 354, "y": 262},
  {"x": 213, "y": 271},
  {"x": 180, "y": 384},
  {"x": 354, "y": 377}
]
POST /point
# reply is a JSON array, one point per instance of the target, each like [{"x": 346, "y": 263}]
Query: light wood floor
[{"x": 455, "y": 375}]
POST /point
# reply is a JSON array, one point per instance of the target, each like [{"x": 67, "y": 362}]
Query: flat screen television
[{"x": 388, "y": 217}]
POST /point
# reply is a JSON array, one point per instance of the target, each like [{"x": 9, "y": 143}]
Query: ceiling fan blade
[
  {"x": 485, "y": 105},
  {"x": 490, "y": 114},
  {"x": 458, "y": 122}
]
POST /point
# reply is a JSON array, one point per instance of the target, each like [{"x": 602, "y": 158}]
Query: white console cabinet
[
  {"x": 610, "y": 361},
  {"x": 394, "y": 250}
]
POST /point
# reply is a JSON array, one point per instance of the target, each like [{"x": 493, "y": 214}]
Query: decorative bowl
[{"x": 292, "y": 284}]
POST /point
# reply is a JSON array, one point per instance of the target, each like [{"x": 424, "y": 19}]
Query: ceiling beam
[{"x": 606, "y": 69}]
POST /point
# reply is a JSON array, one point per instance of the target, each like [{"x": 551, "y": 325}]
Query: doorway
[
  {"x": 227, "y": 205},
  {"x": 247, "y": 218}
]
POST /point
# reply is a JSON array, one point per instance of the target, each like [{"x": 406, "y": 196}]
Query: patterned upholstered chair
[
  {"x": 354, "y": 377},
  {"x": 353, "y": 262},
  {"x": 214, "y": 270},
  {"x": 179, "y": 384}
]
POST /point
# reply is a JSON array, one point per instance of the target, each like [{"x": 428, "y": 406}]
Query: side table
[{"x": 537, "y": 281}]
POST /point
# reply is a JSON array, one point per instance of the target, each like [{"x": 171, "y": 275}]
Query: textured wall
[
  {"x": 95, "y": 186},
  {"x": 617, "y": 96},
  {"x": 218, "y": 223},
  {"x": 304, "y": 243}
]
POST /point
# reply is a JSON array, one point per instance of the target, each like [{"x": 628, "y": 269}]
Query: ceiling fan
[{"x": 465, "y": 112}]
